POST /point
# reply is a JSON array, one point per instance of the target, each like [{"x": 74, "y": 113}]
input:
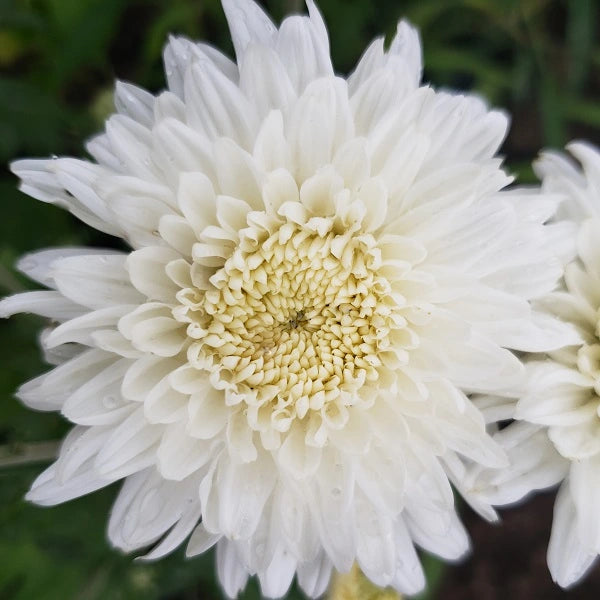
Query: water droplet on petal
[
  {"x": 110, "y": 402},
  {"x": 28, "y": 264}
]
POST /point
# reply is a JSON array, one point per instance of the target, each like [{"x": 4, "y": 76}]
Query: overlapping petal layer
[{"x": 558, "y": 437}]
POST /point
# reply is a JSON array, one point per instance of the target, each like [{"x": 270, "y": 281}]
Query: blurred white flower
[
  {"x": 558, "y": 436},
  {"x": 321, "y": 270}
]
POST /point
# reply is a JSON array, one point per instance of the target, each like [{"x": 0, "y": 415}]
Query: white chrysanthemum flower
[
  {"x": 321, "y": 270},
  {"x": 558, "y": 436}
]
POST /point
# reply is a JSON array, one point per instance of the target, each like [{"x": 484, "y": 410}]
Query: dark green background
[{"x": 540, "y": 59}]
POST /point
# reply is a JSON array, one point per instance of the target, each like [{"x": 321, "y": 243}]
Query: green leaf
[
  {"x": 581, "y": 27},
  {"x": 551, "y": 112},
  {"x": 85, "y": 30},
  {"x": 582, "y": 111},
  {"x": 31, "y": 119}
]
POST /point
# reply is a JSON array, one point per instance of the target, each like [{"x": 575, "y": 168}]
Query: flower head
[
  {"x": 557, "y": 438},
  {"x": 321, "y": 270}
]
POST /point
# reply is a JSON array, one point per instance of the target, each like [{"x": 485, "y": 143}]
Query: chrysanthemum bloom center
[{"x": 294, "y": 325}]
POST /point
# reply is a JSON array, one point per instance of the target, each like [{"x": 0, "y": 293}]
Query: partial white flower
[
  {"x": 321, "y": 270},
  {"x": 558, "y": 436}
]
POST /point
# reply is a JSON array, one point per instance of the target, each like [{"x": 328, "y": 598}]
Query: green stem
[
  {"x": 8, "y": 281},
  {"x": 14, "y": 455}
]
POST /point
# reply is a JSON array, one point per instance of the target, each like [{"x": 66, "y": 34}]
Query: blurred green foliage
[{"x": 540, "y": 59}]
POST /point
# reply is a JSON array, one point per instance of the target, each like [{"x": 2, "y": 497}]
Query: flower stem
[{"x": 13, "y": 455}]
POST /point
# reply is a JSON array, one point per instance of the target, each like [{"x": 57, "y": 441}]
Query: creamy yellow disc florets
[{"x": 293, "y": 324}]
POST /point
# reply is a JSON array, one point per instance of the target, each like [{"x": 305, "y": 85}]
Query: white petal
[
  {"x": 168, "y": 106},
  {"x": 585, "y": 491},
  {"x": 134, "y": 102},
  {"x": 534, "y": 464},
  {"x": 69, "y": 183},
  {"x": 240, "y": 438},
  {"x": 164, "y": 404},
  {"x": 147, "y": 506},
  {"x": 409, "y": 578},
  {"x": 216, "y": 107},
  {"x": 50, "y": 390},
  {"x": 146, "y": 268},
  {"x": 231, "y": 571},
  {"x": 179, "y": 149},
  {"x": 248, "y": 23},
  {"x": 98, "y": 401},
  {"x": 373, "y": 194},
  {"x": 587, "y": 246},
  {"x": 406, "y": 45},
  {"x": 179, "y": 455},
  {"x": 589, "y": 156},
  {"x": 95, "y": 281},
  {"x": 207, "y": 414},
  {"x": 180, "y": 52},
  {"x": 48, "y": 491},
  {"x": 139, "y": 204},
  {"x": 113, "y": 341},
  {"x": 131, "y": 446},
  {"x": 277, "y": 578},
  {"x": 81, "y": 329},
  {"x": 568, "y": 560},
  {"x": 52, "y": 305},
  {"x": 145, "y": 374},
  {"x": 38, "y": 265},
  {"x": 60, "y": 354},
  {"x": 177, "y": 534},
  {"x": 243, "y": 491},
  {"x": 303, "y": 50},
  {"x": 79, "y": 448},
  {"x": 265, "y": 81},
  {"x": 375, "y": 547},
  {"x": 271, "y": 149},
  {"x": 320, "y": 122},
  {"x": 152, "y": 328},
  {"x": 314, "y": 576},
  {"x": 197, "y": 200},
  {"x": 296, "y": 457},
  {"x": 201, "y": 541},
  {"x": 352, "y": 162},
  {"x": 100, "y": 149},
  {"x": 451, "y": 544},
  {"x": 404, "y": 56},
  {"x": 178, "y": 233},
  {"x": 238, "y": 174}
]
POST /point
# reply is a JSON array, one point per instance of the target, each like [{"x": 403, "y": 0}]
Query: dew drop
[
  {"x": 28, "y": 264},
  {"x": 110, "y": 402}
]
